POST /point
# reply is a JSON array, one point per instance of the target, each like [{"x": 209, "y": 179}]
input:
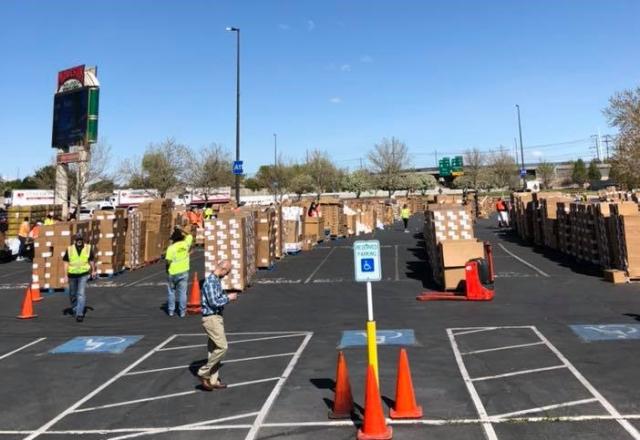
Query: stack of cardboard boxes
[
  {"x": 50, "y": 247},
  {"x": 231, "y": 237},
  {"x": 157, "y": 215},
  {"x": 110, "y": 246},
  {"x": 17, "y": 214},
  {"x": 135, "y": 241},
  {"x": 331, "y": 211},
  {"x": 450, "y": 243},
  {"x": 265, "y": 237},
  {"x": 278, "y": 231},
  {"x": 292, "y": 228}
]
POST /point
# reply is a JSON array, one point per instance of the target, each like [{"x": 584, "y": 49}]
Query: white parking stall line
[
  {"x": 180, "y": 347},
  {"x": 297, "y": 332},
  {"x": 604, "y": 402},
  {"x": 396, "y": 263},
  {"x": 169, "y": 396},
  {"x": 477, "y": 330},
  {"x": 41, "y": 430},
  {"x": 490, "y": 433},
  {"x": 518, "y": 373},
  {"x": 319, "y": 265},
  {"x": 6, "y": 355},
  {"x": 264, "y": 411},
  {"x": 229, "y": 361},
  {"x": 545, "y": 408},
  {"x": 508, "y": 347},
  {"x": 526, "y": 263}
]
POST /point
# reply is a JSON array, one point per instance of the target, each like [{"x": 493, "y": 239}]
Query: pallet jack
[{"x": 478, "y": 283}]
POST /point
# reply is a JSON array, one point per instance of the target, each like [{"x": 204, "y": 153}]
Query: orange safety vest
[
  {"x": 35, "y": 232},
  {"x": 24, "y": 230},
  {"x": 500, "y": 206}
]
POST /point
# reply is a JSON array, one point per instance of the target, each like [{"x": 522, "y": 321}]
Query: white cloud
[
  {"x": 537, "y": 153},
  {"x": 335, "y": 100},
  {"x": 311, "y": 25},
  {"x": 284, "y": 27},
  {"x": 366, "y": 59},
  {"x": 345, "y": 68}
]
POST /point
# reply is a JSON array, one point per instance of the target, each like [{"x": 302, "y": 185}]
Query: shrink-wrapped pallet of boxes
[
  {"x": 110, "y": 246},
  {"x": 265, "y": 238},
  {"x": 278, "y": 231},
  {"x": 292, "y": 228},
  {"x": 50, "y": 247},
  {"x": 450, "y": 243},
  {"x": 135, "y": 241},
  {"x": 231, "y": 237},
  {"x": 35, "y": 213},
  {"x": 313, "y": 229},
  {"x": 158, "y": 218},
  {"x": 331, "y": 212}
]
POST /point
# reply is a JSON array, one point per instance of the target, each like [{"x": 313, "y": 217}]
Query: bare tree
[
  {"x": 301, "y": 183},
  {"x": 623, "y": 113},
  {"x": 209, "y": 168},
  {"x": 546, "y": 172},
  {"x": 325, "y": 175},
  {"x": 357, "y": 182},
  {"x": 427, "y": 182},
  {"x": 82, "y": 174},
  {"x": 503, "y": 170},
  {"x": 388, "y": 159},
  {"x": 474, "y": 161}
]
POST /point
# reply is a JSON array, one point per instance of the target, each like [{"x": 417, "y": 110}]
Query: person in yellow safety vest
[
  {"x": 79, "y": 264},
  {"x": 49, "y": 220},
  {"x": 23, "y": 234},
  {"x": 208, "y": 213},
  {"x": 405, "y": 213},
  {"x": 177, "y": 258}
]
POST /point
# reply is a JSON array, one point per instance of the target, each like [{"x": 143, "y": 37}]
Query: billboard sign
[
  {"x": 70, "y": 79},
  {"x": 63, "y": 158},
  {"x": 70, "y": 116}
]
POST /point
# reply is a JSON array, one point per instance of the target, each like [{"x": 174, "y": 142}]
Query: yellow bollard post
[{"x": 372, "y": 347}]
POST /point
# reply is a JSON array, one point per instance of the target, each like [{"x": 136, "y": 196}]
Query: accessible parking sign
[{"x": 366, "y": 254}]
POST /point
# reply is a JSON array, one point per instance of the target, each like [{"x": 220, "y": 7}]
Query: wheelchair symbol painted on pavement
[{"x": 604, "y": 332}]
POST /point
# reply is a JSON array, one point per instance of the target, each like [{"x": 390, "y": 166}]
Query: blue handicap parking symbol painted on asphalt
[
  {"x": 607, "y": 332},
  {"x": 367, "y": 265},
  {"x": 96, "y": 344},
  {"x": 358, "y": 338}
]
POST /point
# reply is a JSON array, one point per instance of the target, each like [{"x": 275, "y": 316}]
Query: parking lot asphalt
[{"x": 508, "y": 369}]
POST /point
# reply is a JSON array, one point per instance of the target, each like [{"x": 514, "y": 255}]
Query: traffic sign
[
  {"x": 523, "y": 172},
  {"x": 366, "y": 255},
  {"x": 237, "y": 167}
]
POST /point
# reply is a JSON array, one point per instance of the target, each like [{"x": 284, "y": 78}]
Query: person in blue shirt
[{"x": 213, "y": 301}]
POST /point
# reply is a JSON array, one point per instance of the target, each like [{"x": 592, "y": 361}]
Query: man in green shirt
[{"x": 177, "y": 258}]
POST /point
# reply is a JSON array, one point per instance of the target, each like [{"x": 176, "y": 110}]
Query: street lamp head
[{"x": 232, "y": 29}]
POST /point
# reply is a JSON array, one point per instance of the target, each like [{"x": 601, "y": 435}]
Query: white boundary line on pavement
[
  {"x": 517, "y": 373},
  {"x": 6, "y": 355},
  {"x": 247, "y": 333},
  {"x": 319, "y": 265},
  {"x": 508, "y": 347},
  {"x": 477, "y": 330},
  {"x": 169, "y": 396},
  {"x": 526, "y": 263},
  {"x": 229, "y": 361},
  {"x": 264, "y": 411},
  {"x": 545, "y": 408},
  {"x": 97, "y": 390},
  {"x": 396, "y": 265},
  {"x": 490, "y": 433},
  {"x": 604, "y": 402},
  {"x": 180, "y": 347}
]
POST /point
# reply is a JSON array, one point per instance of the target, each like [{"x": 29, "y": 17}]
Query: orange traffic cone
[
  {"x": 343, "y": 401},
  {"x": 374, "y": 425},
  {"x": 35, "y": 294},
  {"x": 193, "y": 305},
  {"x": 26, "y": 312},
  {"x": 406, "y": 406}
]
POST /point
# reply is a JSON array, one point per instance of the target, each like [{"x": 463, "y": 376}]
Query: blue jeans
[
  {"x": 76, "y": 294},
  {"x": 177, "y": 287}
]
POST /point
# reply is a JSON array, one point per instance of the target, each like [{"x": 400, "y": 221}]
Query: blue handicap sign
[
  {"x": 606, "y": 332},
  {"x": 367, "y": 265},
  {"x": 96, "y": 344},
  {"x": 523, "y": 172},
  {"x": 358, "y": 338},
  {"x": 237, "y": 167}
]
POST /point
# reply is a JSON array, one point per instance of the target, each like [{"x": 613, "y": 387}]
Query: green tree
[
  {"x": 388, "y": 159},
  {"x": 593, "y": 172},
  {"x": 545, "y": 171},
  {"x": 251, "y": 183},
  {"x": 427, "y": 182},
  {"x": 579, "y": 172},
  {"x": 301, "y": 184},
  {"x": 45, "y": 177},
  {"x": 102, "y": 186},
  {"x": 410, "y": 183},
  {"x": 325, "y": 175},
  {"x": 357, "y": 182},
  {"x": 623, "y": 113}
]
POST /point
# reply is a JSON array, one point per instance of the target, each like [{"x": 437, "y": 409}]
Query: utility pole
[
  {"x": 595, "y": 146},
  {"x": 606, "y": 139},
  {"x": 237, "y": 31},
  {"x": 435, "y": 153},
  {"x": 515, "y": 149},
  {"x": 361, "y": 163},
  {"x": 521, "y": 147},
  {"x": 275, "y": 150}
]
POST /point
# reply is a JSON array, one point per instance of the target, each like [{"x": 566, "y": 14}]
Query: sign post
[{"x": 366, "y": 258}]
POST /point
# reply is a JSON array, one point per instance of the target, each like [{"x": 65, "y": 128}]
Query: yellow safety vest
[
  {"x": 178, "y": 257},
  {"x": 208, "y": 213},
  {"x": 49, "y": 221},
  {"x": 79, "y": 264},
  {"x": 189, "y": 239},
  {"x": 405, "y": 213}
]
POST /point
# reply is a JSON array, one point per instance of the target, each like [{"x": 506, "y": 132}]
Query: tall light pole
[
  {"x": 521, "y": 148},
  {"x": 275, "y": 149},
  {"x": 237, "y": 31}
]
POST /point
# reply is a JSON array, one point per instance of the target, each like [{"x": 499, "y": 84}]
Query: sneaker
[
  {"x": 170, "y": 313},
  {"x": 182, "y": 315},
  {"x": 79, "y": 318}
]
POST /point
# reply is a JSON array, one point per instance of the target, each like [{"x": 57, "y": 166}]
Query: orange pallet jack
[{"x": 478, "y": 285}]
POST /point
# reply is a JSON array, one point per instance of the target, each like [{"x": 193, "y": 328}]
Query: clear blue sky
[{"x": 336, "y": 75}]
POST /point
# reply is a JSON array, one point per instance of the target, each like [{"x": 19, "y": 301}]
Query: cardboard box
[{"x": 456, "y": 253}]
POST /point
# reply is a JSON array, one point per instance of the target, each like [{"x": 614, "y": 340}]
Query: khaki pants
[{"x": 216, "y": 346}]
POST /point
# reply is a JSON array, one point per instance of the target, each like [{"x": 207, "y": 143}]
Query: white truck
[
  {"x": 197, "y": 196},
  {"x": 30, "y": 197},
  {"x": 125, "y": 198}
]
